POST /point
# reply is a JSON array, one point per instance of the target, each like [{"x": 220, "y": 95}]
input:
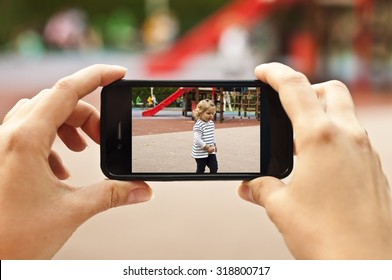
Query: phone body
[{"x": 131, "y": 151}]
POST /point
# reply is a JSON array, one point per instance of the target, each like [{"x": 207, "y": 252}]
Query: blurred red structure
[
  {"x": 303, "y": 48},
  {"x": 151, "y": 112},
  {"x": 206, "y": 35},
  {"x": 303, "y": 52}
]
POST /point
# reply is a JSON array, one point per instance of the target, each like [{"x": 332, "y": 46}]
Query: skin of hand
[
  {"x": 210, "y": 149},
  {"x": 337, "y": 204},
  {"x": 38, "y": 210}
]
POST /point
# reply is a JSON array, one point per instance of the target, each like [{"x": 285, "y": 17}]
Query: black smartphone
[{"x": 148, "y": 131}]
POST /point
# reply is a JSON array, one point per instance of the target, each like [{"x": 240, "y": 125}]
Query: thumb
[
  {"x": 259, "y": 190},
  {"x": 107, "y": 194}
]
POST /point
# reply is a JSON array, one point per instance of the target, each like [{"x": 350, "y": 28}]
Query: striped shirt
[{"x": 203, "y": 134}]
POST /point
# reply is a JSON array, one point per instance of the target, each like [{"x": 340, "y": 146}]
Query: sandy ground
[{"x": 185, "y": 220}]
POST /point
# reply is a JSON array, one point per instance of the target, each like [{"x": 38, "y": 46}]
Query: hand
[
  {"x": 338, "y": 202},
  {"x": 210, "y": 149},
  {"x": 38, "y": 211}
]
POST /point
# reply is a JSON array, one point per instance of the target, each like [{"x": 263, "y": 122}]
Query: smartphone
[{"x": 148, "y": 130}]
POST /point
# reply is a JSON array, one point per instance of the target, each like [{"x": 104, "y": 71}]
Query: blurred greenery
[
  {"x": 349, "y": 40},
  {"x": 19, "y": 15}
]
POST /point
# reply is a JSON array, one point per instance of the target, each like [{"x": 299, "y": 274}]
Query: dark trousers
[{"x": 209, "y": 161}]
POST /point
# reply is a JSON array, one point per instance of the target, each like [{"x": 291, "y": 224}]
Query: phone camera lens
[{"x": 119, "y": 146}]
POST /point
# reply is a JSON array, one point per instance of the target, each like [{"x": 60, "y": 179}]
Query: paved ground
[
  {"x": 186, "y": 220},
  {"x": 170, "y": 120},
  {"x": 238, "y": 151}
]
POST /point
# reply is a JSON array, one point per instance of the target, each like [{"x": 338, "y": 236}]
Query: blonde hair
[{"x": 203, "y": 106}]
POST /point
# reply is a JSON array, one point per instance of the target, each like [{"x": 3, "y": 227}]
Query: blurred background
[{"x": 42, "y": 41}]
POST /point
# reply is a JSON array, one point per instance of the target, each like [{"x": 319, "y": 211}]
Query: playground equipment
[
  {"x": 206, "y": 35},
  {"x": 246, "y": 13},
  {"x": 179, "y": 92},
  {"x": 196, "y": 94},
  {"x": 246, "y": 99}
]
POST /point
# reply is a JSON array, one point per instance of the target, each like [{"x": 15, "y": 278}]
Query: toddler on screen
[{"x": 204, "y": 148}]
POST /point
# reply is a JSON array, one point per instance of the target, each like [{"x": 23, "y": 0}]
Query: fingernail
[{"x": 139, "y": 195}]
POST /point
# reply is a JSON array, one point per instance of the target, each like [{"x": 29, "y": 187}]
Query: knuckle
[
  {"x": 295, "y": 78},
  {"x": 17, "y": 139},
  {"x": 326, "y": 131},
  {"x": 337, "y": 84},
  {"x": 330, "y": 133},
  {"x": 22, "y": 101},
  {"x": 44, "y": 91},
  {"x": 112, "y": 197},
  {"x": 361, "y": 140},
  {"x": 322, "y": 133},
  {"x": 64, "y": 84},
  {"x": 18, "y": 104}
]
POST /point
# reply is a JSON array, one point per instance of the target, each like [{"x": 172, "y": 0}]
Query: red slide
[
  {"x": 151, "y": 112},
  {"x": 206, "y": 35}
]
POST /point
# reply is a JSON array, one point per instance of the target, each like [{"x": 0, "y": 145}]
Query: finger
[
  {"x": 84, "y": 116},
  {"x": 245, "y": 192},
  {"x": 337, "y": 101},
  {"x": 71, "y": 138},
  {"x": 259, "y": 190},
  {"x": 107, "y": 194},
  {"x": 87, "y": 118},
  {"x": 295, "y": 92},
  {"x": 15, "y": 109},
  {"x": 57, "y": 167},
  {"x": 24, "y": 106},
  {"x": 54, "y": 108}
]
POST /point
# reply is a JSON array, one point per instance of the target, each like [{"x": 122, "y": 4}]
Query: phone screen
[
  {"x": 193, "y": 130},
  {"x": 166, "y": 140}
]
